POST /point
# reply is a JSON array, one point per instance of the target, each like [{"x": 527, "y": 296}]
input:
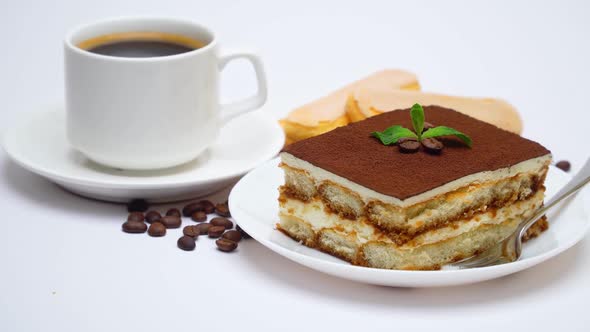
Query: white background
[{"x": 66, "y": 266}]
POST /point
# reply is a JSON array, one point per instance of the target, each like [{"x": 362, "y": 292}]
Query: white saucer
[
  {"x": 39, "y": 145},
  {"x": 254, "y": 206}
]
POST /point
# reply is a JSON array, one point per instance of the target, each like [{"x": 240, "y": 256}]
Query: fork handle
[{"x": 576, "y": 183}]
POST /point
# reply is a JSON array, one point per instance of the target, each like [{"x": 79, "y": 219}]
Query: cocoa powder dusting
[{"x": 352, "y": 153}]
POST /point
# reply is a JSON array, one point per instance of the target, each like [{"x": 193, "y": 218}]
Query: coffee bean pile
[{"x": 220, "y": 228}]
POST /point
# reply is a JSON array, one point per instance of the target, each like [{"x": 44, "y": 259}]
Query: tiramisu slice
[{"x": 348, "y": 194}]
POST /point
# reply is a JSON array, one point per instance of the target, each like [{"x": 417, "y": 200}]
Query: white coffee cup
[{"x": 149, "y": 113}]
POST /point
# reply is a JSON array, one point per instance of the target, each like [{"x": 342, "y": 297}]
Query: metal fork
[{"x": 510, "y": 249}]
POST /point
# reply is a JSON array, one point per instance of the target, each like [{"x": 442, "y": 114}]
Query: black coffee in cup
[
  {"x": 140, "y": 44},
  {"x": 171, "y": 79}
]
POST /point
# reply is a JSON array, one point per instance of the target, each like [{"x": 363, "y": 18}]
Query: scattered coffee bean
[
  {"x": 243, "y": 232},
  {"x": 186, "y": 243},
  {"x": 134, "y": 227},
  {"x": 136, "y": 216},
  {"x": 216, "y": 231},
  {"x": 203, "y": 228},
  {"x": 199, "y": 216},
  {"x": 157, "y": 229},
  {"x": 226, "y": 245},
  {"x": 152, "y": 216},
  {"x": 235, "y": 236},
  {"x": 171, "y": 221},
  {"x": 432, "y": 145},
  {"x": 222, "y": 209},
  {"x": 191, "y": 231},
  {"x": 137, "y": 205},
  {"x": 174, "y": 212},
  {"x": 191, "y": 208},
  {"x": 223, "y": 222},
  {"x": 208, "y": 206},
  {"x": 564, "y": 165},
  {"x": 408, "y": 145}
]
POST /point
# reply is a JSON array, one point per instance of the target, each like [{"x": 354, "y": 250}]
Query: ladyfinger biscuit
[
  {"x": 366, "y": 102},
  {"x": 329, "y": 112}
]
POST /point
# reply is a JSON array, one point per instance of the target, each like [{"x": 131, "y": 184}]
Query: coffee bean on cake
[
  {"x": 432, "y": 145},
  {"x": 427, "y": 125},
  {"x": 405, "y": 139},
  {"x": 408, "y": 146}
]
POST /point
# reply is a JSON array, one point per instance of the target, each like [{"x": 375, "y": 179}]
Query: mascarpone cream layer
[{"x": 314, "y": 213}]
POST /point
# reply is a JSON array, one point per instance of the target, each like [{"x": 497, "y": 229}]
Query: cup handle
[{"x": 233, "y": 109}]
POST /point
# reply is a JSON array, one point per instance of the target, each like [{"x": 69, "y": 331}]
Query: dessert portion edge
[
  {"x": 361, "y": 243},
  {"x": 349, "y": 221},
  {"x": 350, "y": 194},
  {"x": 404, "y": 219}
]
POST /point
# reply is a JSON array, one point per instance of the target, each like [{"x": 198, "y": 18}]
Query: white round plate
[
  {"x": 39, "y": 144},
  {"x": 253, "y": 203}
]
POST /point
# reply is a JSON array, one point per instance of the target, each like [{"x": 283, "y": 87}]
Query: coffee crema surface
[{"x": 140, "y": 44}]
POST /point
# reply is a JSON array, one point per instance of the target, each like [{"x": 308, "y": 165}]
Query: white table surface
[{"x": 66, "y": 266}]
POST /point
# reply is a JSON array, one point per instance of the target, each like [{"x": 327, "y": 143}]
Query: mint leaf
[
  {"x": 392, "y": 134},
  {"x": 417, "y": 113},
  {"x": 446, "y": 131}
]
